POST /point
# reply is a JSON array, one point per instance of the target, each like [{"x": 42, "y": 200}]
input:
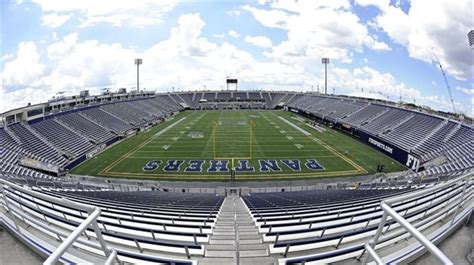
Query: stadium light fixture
[
  {"x": 325, "y": 61},
  {"x": 138, "y": 61},
  {"x": 470, "y": 37}
]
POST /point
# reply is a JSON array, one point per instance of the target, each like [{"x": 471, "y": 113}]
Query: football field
[{"x": 246, "y": 145}]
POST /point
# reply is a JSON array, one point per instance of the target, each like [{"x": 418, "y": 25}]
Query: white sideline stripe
[
  {"x": 294, "y": 126},
  {"x": 316, "y": 127},
  {"x": 169, "y": 127}
]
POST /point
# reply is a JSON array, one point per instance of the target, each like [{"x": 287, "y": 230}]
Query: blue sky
[{"x": 378, "y": 48}]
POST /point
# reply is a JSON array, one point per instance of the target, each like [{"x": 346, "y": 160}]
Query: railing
[
  {"x": 389, "y": 211},
  {"x": 112, "y": 257},
  {"x": 91, "y": 220}
]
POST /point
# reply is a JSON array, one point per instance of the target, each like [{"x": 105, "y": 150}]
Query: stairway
[{"x": 235, "y": 239}]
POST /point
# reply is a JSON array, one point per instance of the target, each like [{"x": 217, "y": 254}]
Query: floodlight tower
[
  {"x": 325, "y": 61},
  {"x": 470, "y": 37},
  {"x": 138, "y": 61}
]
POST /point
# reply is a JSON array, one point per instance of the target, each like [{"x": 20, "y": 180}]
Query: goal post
[
  {"x": 252, "y": 125},
  {"x": 227, "y": 140}
]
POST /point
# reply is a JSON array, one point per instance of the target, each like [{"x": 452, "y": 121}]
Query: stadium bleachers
[
  {"x": 306, "y": 226},
  {"x": 426, "y": 136},
  {"x": 107, "y": 120},
  {"x": 311, "y": 222},
  {"x": 318, "y": 226},
  {"x": 86, "y": 127},
  {"x": 162, "y": 224},
  {"x": 121, "y": 111},
  {"x": 364, "y": 114},
  {"x": 33, "y": 144},
  {"x": 63, "y": 138}
]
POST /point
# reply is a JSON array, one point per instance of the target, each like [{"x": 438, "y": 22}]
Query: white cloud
[
  {"x": 260, "y": 41},
  {"x": 368, "y": 82},
  {"x": 6, "y": 57},
  {"x": 466, "y": 90},
  {"x": 118, "y": 13},
  {"x": 186, "y": 60},
  {"x": 59, "y": 49},
  {"x": 54, "y": 20},
  {"x": 85, "y": 65},
  {"x": 438, "y": 24},
  {"x": 372, "y": 81},
  {"x": 233, "y": 13},
  {"x": 316, "y": 29},
  {"x": 233, "y": 34},
  {"x": 24, "y": 69}
]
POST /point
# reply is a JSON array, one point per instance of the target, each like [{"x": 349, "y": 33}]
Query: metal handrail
[
  {"x": 91, "y": 220},
  {"x": 389, "y": 211},
  {"x": 111, "y": 258},
  {"x": 61, "y": 249}
]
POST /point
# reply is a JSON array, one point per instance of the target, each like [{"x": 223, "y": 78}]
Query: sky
[{"x": 377, "y": 48}]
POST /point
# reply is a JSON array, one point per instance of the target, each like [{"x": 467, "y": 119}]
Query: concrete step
[
  {"x": 253, "y": 253},
  {"x": 242, "y": 221},
  {"x": 222, "y": 241},
  {"x": 248, "y": 220},
  {"x": 223, "y": 233},
  {"x": 220, "y": 247},
  {"x": 226, "y": 219},
  {"x": 223, "y": 227},
  {"x": 247, "y": 228},
  {"x": 245, "y": 237},
  {"x": 249, "y": 241},
  {"x": 223, "y": 237},
  {"x": 220, "y": 253},
  {"x": 248, "y": 232},
  {"x": 253, "y": 247},
  {"x": 226, "y": 223},
  {"x": 261, "y": 261},
  {"x": 217, "y": 261}
]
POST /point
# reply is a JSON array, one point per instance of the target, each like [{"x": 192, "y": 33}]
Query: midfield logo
[{"x": 223, "y": 165}]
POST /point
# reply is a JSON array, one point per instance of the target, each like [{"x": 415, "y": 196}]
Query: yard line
[
  {"x": 210, "y": 135},
  {"x": 255, "y": 157},
  {"x": 169, "y": 151},
  {"x": 295, "y": 126},
  {"x": 131, "y": 152}
]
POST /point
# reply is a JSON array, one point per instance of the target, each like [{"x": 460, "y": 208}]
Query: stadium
[{"x": 231, "y": 173}]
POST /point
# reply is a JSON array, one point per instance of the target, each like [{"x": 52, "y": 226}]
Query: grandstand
[{"x": 130, "y": 217}]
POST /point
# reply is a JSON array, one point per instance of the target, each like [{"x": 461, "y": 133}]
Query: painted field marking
[
  {"x": 113, "y": 164},
  {"x": 294, "y": 126},
  {"x": 243, "y": 176},
  {"x": 348, "y": 160}
]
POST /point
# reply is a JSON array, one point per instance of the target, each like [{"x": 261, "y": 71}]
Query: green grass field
[{"x": 207, "y": 145}]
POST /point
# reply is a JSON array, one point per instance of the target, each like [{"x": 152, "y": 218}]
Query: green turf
[{"x": 234, "y": 135}]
